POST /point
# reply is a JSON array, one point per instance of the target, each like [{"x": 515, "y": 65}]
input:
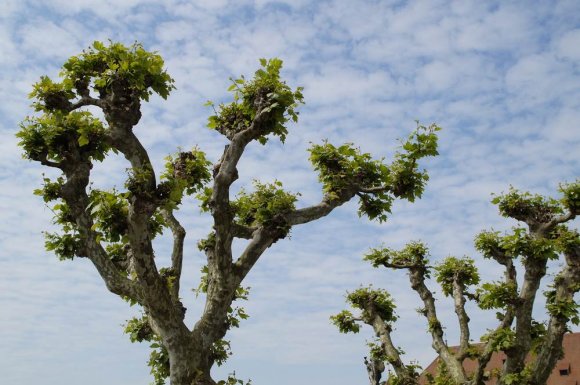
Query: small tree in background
[
  {"x": 541, "y": 237},
  {"x": 114, "y": 229}
]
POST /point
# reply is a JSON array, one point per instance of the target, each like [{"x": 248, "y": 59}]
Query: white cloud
[{"x": 568, "y": 47}]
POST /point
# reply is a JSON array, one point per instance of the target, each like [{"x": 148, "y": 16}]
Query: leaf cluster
[
  {"x": 456, "y": 270},
  {"x": 517, "y": 243},
  {"x": 571, "y": 196},
  {"x": 373, "y": 301},
  {"x": 109, "y": 210},
  {"x": 139, "y": 330},
  {"x": 406, "y": 180},
  {"x": 442, "y": 376},
  {"x": 265, "y": 101},
  {"x": 50, "y": 96},
  {"x": 518, "y": 378},
  {"x": 185, "y": 174},
  {"x": 346, "y": 168},
  {"x": 64, "y": 246},
  {"x": 57, "y": 137},
  {"x": 496, "y": 295},
  {"x": 376, "y": 351},
  {"x": 414, "y": 254},
  {"x": 527, "y": 207},
  {"x": 236, "y": 314},
  {"x": 501, "y": 339},
  {"x": 221, "y": 351},
  {"x": 232, "y": 380},
  {"x": 489, "y": 244},
  {"x": 522, "y": 244},
  {"x": 566, "y": 240},
  {"x": 345, "y": 322},
  {"x": 564, "y": 308},
  {"x": 50, "y": 190},
  {"x": 264, "y": 206},
  {"x": 159, "y": 363},
  {"x": 115, "y": 66},
  {"x": 68, "y": 244}
]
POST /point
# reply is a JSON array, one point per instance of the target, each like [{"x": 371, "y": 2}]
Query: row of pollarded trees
[
  {"x": 114, "y": 229},
  {"x": 542, "y": 236}
]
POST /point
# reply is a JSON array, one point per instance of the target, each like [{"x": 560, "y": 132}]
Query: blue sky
[{"x": 501, "y": 77}]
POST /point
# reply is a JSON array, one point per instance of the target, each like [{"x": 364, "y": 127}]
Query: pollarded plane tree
[
  {"x": 543, "y": 235},
  {"x": 114, "y": 229}
]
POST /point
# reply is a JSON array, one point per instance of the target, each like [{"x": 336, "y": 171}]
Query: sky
[{"x": 501, "y": 77}]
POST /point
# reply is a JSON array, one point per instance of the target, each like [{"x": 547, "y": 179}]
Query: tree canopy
[
  {"x": 543, "y": 234},
  {"x": 115, "y": 228}
]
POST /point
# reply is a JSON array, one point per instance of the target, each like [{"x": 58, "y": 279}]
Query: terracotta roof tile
[{"x": 570, "y": 362}]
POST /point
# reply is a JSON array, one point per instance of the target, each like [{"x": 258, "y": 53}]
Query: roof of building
[{"x": 566, "y": 371}]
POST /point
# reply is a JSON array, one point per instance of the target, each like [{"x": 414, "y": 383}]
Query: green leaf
[
  {"x": 98, "y": 45},
  {"x": 83, "y": 140}
]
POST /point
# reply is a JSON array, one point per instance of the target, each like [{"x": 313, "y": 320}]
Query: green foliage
[
  {"x": 521, "y": 244},
  {"x": 159, "y": 363},
  {"x": 373, "y": 301},
  {"x": 57, "y": 137},
  {"x": 433, "y": 324},
  {"x": 442, "y": 376},
  {"x": 115, "y": 66},
  {"x": 109, "y": 212},
  {"x": 232, "y": 380},
  {"x": 207, "y": 243},
  {"x": 376, "y": 351},
  {"x": 266, "y": 101},
  {"x": 525, "y": 207},
  {"x": 221, "y": 351},
  {"x": 50, "y": 190},
  {"x": 405, "y": 179},
  {"x": 571, "y": 198},
  {"x": 51, "y": 96},
  {"x": 139, "y": 330},
  {"x": 185, "y": 174},
  {"x": 235, "y": 315},
  {"x": 537, "y": 332},
  {"x": 65, "y": 246},
  {"x": 518, "y": 243},
  {"x": 203, "y": 282},
  {"x": 68, "y": 244},
  {"x": 566, "y": 308},
  {"x": 264, "y": 206},
  {"x": 518, "y": 378},
  {"x": 345, "y": 322},
  {"x": 496, "y": 295},
  {"x": 117, "y": 252},
  {"x": 460, "y": 270},
  {"x": 168, "y": 276},
  {"x": 488, "y": 243},
  {"x": 566, "y": 241},
  {"x": 502, "y": 339},
  {"x": 414, "y": 371},
  {"x": 345, "y": 168},
  {"x": 414, "y": 254}
]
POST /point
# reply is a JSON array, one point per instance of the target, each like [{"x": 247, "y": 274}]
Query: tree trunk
[{"x": 190, "y": 366}]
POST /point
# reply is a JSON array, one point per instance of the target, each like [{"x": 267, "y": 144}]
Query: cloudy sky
[{"x": 501, "y": 77}]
